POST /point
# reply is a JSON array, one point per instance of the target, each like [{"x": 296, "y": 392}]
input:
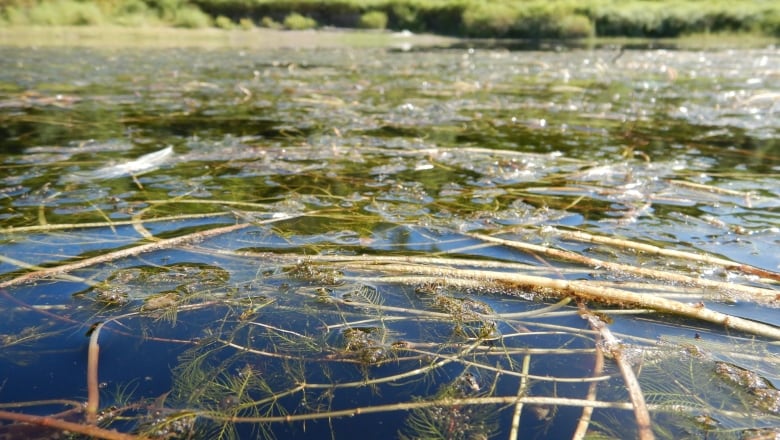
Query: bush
[
  {"x": 404, "y": 16},
  {"x": 770, "y": 23},
  {"x": 373, "y": 20},
  {"x": 87, "y": 13},
  {"x": 246, "y": 24},
  {"x": 576, "y": 26},
  {"x": 15, "y": 16},
  {"x": 270, "y": 23},
  {"x": 191, "y": 17},
  {"x": 223, "y": 22},
  {"x": 65, "y": 12},
  {"x": 443, "y": 18},
  {"x": 166, "y": 9},
  {"x": 297, "y": 22},
  {"x": 489, "y": 19},
  {"x": 130, "y": 7},
  {"x": 620, "y": 22},
  {"x": 135, "y": 13}
]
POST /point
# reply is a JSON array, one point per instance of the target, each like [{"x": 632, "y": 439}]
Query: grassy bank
[
  {"x": 485, "y": 18},
  {"x": 159, "y": 37}
]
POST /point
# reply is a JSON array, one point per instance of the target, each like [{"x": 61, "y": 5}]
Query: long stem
[
  {"x": 765, "y": 295},
  {"x": 428, "y": 271},
  {"x": 521, "y": 391},
  {"x": 48, "y": 227},
  {"x": 587, "y": 412},
  {"x": 129, "y": 252},
  {"x": 479, "y": 279},
  {"x": 93, "y": 389},
  {"x": 63, "y": 425},
  {"x": 613, "y": 346},
  {"x": 655, "y": 250}
]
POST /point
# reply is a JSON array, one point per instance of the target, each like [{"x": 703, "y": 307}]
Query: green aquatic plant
[
  {"x": 452, "y": 421},
  {"x": 305, "y": 271},
  {"x": 469, "y": 316},
  {"x": 365, "y": 344},
  {"x": 247, "y": 365}
]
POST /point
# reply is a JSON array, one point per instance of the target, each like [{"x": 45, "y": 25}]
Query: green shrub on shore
[
  {"x": 167, "y": 9},
  {"x": 246, "y": 24},
  {"x": 485, "y": 19},
  {"x": 270, "y": 23},
  {"x": 403, "y": 16},
  {"x": 576, "y": 26},
  {"x": 297, "y": 22},
  {"x": 373, "y": 20},
  {"x": 771, "y": 24},
  {"x": 533, "y": 20},
  {"x": 223, "y": 22},
  {"x": 60, "y": 12},
  {"x": 668, "y": 19},
  {"x": 135, "y": 13},
  {"x": 191, "y": 17}
]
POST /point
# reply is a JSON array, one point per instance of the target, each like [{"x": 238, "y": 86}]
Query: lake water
[{"x": 331, "y": 233}]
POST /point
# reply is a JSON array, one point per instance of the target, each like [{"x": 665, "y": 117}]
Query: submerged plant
[
  {"x": 365, "y": 344},
  {"x": 452, "y": 421}
]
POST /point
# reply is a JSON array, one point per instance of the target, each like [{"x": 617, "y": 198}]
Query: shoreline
[
  {"x": 114, "y": 36},
  {"x": 171, "y": 37}
]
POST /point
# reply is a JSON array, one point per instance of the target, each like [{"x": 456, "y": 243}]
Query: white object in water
[{"x": 143, "y": 164}]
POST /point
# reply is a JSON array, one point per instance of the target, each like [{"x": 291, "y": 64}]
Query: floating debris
[
  {"x": 144, "y": 164},
  {"x": 759, "y": 390}
]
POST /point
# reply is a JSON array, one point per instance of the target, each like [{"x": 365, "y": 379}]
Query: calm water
[{"x": 375, "y": 153}]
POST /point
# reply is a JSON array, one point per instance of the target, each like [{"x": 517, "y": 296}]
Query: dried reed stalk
[
  {"x": 587, "y": 412},
  {"x": 429, "y": 271},
  {"x": 123, "y": 253},
  {"x": 64, "y": 425},
  {"x": 93, "y": 387},
  {"x": 764, "y": 295},
  {"x": 655, "y": 250},
  {"x": 611, "y": 344},
  {"x": 48, "y": 227},
  {"x": 522, "y": 390},
  {"x": 564, "y": 288}
]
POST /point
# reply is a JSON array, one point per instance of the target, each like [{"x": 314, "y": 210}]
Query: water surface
[{"x": 335, "y": 157}]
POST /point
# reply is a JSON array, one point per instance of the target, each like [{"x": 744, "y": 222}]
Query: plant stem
[
  {"x": 63, "y": 425},
  {"x": 764, "y": 295},
  {"x": 93, "y": 387},
  {"x": 613, "y": 346},
  {"x": 522, "y": 390},
  {"x": 479, "y": 279},
  {"x": 587, "y": 412},
  {"x": 123, "y": 253}
]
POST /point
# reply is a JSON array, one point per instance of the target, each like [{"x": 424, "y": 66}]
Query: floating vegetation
[
  {"x": 365, "y": 344},
  {"x": 158, "y": 287},
  {"x": 470, "y": 316},
  {"x": 756, "y": 388},
  {"x": 468, "y": 244},
  {"x": 452, "y": 421},
  {"x": 304, "y": 270}
]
